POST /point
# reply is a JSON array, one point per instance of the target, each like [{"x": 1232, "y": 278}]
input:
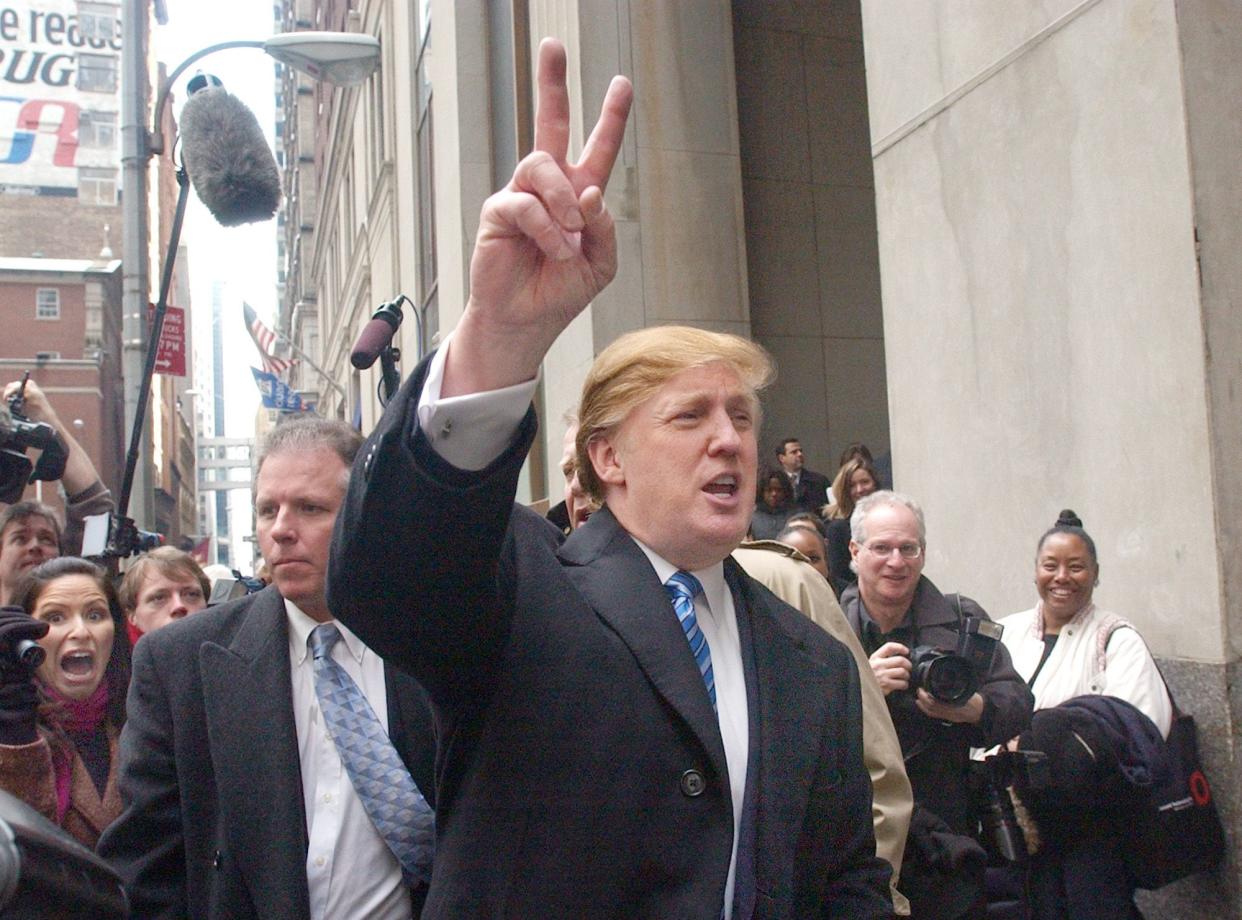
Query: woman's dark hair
[
  {"x": 804, "y": 519},
  {"x": 116, "y": 672},
  {"x": 853, "y": 451},
  {"x": 1069, "y": 522},
  {"x": 766, "y": 478}
]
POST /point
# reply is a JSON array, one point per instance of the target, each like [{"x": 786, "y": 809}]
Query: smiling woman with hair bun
[
  {"x": 1069, "y": 651},
  {"x": 59, "y": 723}
]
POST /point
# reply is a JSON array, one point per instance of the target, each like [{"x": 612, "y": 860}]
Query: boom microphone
[
  {"x": 376, "y": 335},
  {"x": 227, "y": 157}
]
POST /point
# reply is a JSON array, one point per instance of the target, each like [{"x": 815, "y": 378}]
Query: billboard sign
[{"x": 59, "y": 95}]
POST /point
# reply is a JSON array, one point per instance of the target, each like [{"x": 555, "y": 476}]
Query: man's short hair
[
  {"x": 307, "y": 433},
  {"x": 869, "y": 503},
  {"x": 635, "y": 366},
  {"x": 21, "y": 511},
  {"x": 164, "y": 560},
  {"x": 785, "y": 442}
]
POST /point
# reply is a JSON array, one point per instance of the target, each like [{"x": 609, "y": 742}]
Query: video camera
[
  {"x": 111, "y": 536},
  {"x": 17, "y": 435},
  {"x": 997, "y": 818},
  {"x": 953, "y": 676}
]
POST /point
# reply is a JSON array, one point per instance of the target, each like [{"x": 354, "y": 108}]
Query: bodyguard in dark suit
[
  {"x": 237, "y": 801},
  {"x": 630, "y": 727},
  {"x": 810, "y": 489}
]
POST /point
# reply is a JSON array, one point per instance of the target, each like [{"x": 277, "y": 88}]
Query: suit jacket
[
  {"x": 214, "y": 823},
  {"x": 811, "y": 493},
  {"x": 581, "y": 771}
]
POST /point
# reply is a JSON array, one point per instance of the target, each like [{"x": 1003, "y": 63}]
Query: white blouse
[{"x": 1073, "y": 667}]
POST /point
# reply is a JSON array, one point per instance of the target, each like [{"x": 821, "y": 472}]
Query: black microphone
[
  {"x": 376, "y": 334},
  {"x": 227, "y": 157}
]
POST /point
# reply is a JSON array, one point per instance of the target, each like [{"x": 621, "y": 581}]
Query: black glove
[{"x": 19, "y": 697}]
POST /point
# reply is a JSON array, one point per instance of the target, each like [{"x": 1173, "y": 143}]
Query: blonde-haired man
[{"x": 630, "y": 727}]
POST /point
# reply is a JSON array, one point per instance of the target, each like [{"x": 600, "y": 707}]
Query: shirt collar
[
  {"x": 300, "y": 627},
  {"x": 711, "y": 578}
]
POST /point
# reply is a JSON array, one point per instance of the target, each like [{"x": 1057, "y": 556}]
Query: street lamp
[
  {"x": 335, "y": 57},
  {"x": 340, "y": 58}
]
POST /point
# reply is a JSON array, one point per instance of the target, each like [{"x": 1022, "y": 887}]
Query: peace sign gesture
[{"x": 546, "y": 243}]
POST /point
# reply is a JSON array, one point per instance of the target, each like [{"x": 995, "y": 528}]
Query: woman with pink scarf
[{"x": 59, "y": 722}]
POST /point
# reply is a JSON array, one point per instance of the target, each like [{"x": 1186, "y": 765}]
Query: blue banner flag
[{"x": 276, "y": 394}]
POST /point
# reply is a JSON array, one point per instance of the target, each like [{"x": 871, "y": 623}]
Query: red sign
[{"x": 170, "y": 359}]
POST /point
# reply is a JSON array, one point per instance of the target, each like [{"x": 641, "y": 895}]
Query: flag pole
[{"x": 315, "y": 367}]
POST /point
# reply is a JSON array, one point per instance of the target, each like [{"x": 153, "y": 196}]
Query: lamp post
[{"x": 340, "y": 58}]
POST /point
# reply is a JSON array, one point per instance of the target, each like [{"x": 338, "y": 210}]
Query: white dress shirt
[
  {"x": 349, "y": 869},
  {"x": 471, "y": 431}
]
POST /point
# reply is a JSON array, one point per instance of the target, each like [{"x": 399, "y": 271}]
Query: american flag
[{"x": 264, "y": 339}]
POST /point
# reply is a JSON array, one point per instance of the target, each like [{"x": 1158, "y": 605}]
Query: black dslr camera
[
  {"x": 997, "y": 819},
  {"x": 17, "y": 435},
  {"x": 952, "y": 677}
]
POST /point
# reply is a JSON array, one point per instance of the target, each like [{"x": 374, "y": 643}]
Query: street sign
[{"x": 170, "y": 359}]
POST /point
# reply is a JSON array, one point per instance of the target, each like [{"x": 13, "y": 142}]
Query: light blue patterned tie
[
  {"x": 681, "y": 588},
  {"x": 388, "y": 793}
]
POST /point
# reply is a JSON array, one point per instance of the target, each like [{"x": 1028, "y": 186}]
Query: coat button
[{"x": 692, "y": 783}]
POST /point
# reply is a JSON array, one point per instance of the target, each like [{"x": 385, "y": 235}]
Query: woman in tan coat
[{"x": 59, "y": 723}]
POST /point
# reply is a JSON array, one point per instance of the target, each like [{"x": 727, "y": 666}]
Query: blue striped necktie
[
  {"x": 681, "y": 588},
  {"x": 387, "y": 791}
]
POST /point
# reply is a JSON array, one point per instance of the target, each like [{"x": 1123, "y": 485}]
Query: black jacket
[
  {"x": 581, "y": 768},
  {"x": 938, "y": 755},
  {"x": 215, "y": 821}
]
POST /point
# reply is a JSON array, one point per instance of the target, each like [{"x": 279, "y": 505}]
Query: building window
[
  {"x": 425, "y": 172},
  {"x": 97, "y": 186},
  {"x": 98, "y": 21},
  {"x": 47, "y": 303},
  {"x": 97, "y": 73},
  {"x": 97, "y": 130}
]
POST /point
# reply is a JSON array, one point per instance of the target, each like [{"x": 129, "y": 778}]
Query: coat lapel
[
  {"x": 410, "y": 728},
  {"x": 616, "y": 579},
  {"x": 791, "y": 695},
  {"x": 248, "y": 696}
]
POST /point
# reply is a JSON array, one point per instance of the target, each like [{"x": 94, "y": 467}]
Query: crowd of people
[
  {"x": 444, "y": 705},
  {"x": 1061, "y": 650}
]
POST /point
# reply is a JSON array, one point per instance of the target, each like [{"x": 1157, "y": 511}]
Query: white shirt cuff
[{"x": 470, "y": 431}]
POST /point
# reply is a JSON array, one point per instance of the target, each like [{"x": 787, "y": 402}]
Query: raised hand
[{"x": 546, "y": 243}]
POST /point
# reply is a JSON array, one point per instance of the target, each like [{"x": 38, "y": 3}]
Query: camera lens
[{"x": 949, "y": 678}]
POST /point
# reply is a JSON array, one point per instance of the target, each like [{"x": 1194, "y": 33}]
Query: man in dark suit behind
[
  {"x": 237, "y": 800},
  {"x": 810, "y": 489},
  {"x": 608, "y": 748}
]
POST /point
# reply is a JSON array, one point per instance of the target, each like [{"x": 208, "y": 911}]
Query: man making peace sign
[{"x": 629, "y": 726}]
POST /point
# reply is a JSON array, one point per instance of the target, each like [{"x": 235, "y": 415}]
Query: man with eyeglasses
[{"x": 895, "y": 609}]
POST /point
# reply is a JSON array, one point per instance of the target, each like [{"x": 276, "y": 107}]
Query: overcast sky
[{"x": 243, "y": 259}]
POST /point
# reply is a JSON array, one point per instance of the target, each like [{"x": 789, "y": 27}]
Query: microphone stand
[
  {"x": 153, "y": 344},
  {"x": 390, "y": 378}
]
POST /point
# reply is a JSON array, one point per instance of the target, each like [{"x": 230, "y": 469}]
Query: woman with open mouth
[{"x": 60, "y": 720}]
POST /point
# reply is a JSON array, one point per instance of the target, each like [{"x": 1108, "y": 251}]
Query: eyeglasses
[{"x": 884, "y": 550}]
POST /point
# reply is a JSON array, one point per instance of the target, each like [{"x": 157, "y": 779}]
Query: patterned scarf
[{"x": 75, "y": 717}]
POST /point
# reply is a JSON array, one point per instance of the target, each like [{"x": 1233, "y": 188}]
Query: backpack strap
[{"x": 1109, "y": 625}]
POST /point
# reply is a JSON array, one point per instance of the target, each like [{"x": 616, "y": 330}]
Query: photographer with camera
[
  {"x": 949, "y": 685},
  {"x": 27, "y": 527}
]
